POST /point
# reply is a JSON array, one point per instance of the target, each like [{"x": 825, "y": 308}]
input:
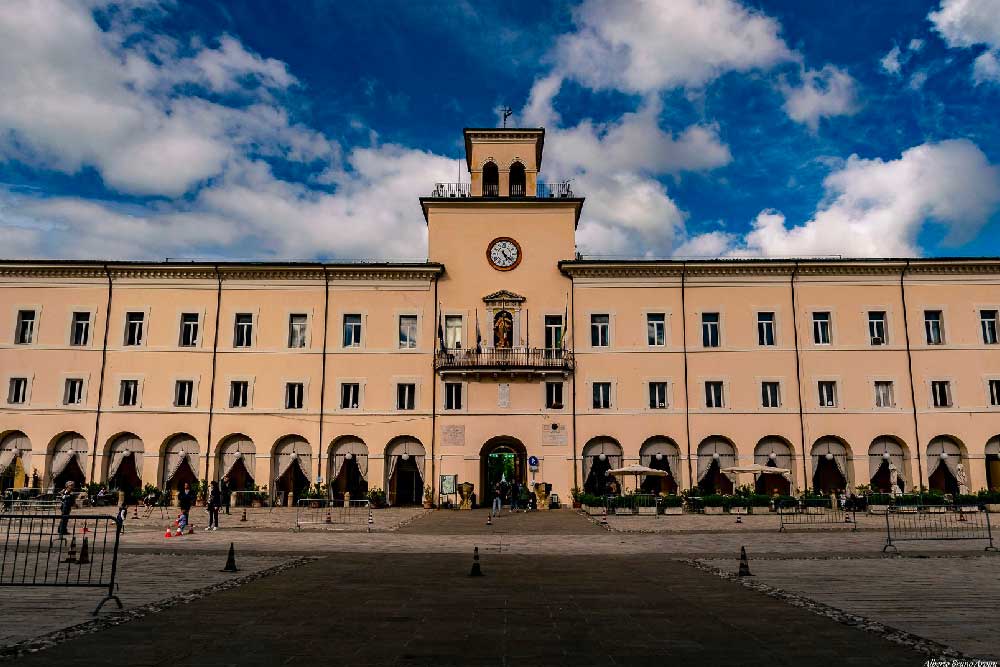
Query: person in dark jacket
[
  {"x": 185, "y": 500},
  {"x": 214, "y": 503},
  {"x": 226, "y": 493},
  {"x": 66, "y": 502}
]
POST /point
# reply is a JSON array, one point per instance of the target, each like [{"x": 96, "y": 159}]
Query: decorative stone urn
[
  {"x": 465, "y": 490},
  {"x": 542, "y": 496}
]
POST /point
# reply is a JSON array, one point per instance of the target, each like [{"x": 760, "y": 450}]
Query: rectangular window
[
  {"x": 988, "y": 320},
  {"x": 189, "y": 329},
  {"x": 941, "y": 393},
  {"x": 183, "y": 393},
  {"x": 821, "y": 328},
  {"x": 243, "y": 330},
  {"x": 657, "y": 395},
  {"x": 554, "y": 395},
  {"x": 352, "y": 330},
  {"x": 406, "y": 396},
  {"x": 934, "y": 327},
  {"x": 453, "y": 332},
  {"x": 17, "y": 393},
  {"x": 602, "y": 395},
  {"x": 24, "y": 334},
  {"x": 876, "y": 327},
  {"x": 294, "y": 392},
  {"x": 553, "y": 332},
  {"x": 239, "y": 391},
  {"x": 770, "y": 395},
  {"x": 128, "y": 393},
  {"x": 297, "y": 324},
  {"x": 133, "y": 328},
  {"x": 79, "y": 334},
  {"x": 827, "y": 394},
  {"x": 765, "y": 329},
  {"x": 713, "y": 395},
  {"x": 407, "y": 332},
  {"x": 600, "y": 330},
  {"x": 710, "y": 330},
  {"x": 884, "y": 394},
  {"x": 656, "y": 325},
  {"x": 73, "y": 393},
  {"x": 350, "y": 396},
  {"x": 995, "y": 393},
  {"x": 452, "y": 395}
]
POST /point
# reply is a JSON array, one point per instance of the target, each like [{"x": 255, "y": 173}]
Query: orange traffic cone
[
  {"x": 168, "y": 533},
  {"x": 191, "y": 530}
]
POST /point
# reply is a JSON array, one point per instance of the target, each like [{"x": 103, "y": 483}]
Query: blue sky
[{"x": 145, "y": 129}]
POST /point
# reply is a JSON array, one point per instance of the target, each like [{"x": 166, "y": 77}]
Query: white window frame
[
  {"x": 27, "y": 377},
  {"x": 885, "y": 325},
  {"x": 591, "y": 384},
  {"x": 774, "y": 327},
  {"x": 781, "y": 391},
  {"x": 416, "y": 331},
  {"x": 667, "y": 394},
  {"x": 285, "y": 382},
  {"x": 663, "y": 324},
  {"x": 194, "y": 393},
  {"x": 463, "y": 391},
  {"x": 36, "y": 324},
  {"x": 362, "y": 327},
  {"x": 92, "y": 319},
  {"x": 396, "y": 383},
  {"x": 892, "y": 393},
  {"x": 361, "y": 394},
  {"x": 590, "y": 329},
  {"x": 199, "y": 333},
  {"x": 462, "y": 339},
  {"x": 85, "y": 379},
  {"x": 813, "y": 322},
  {"x": 306, "y": 335},
  {"x": 704, "y": 394},
  {"x": 562, "y": 330},
  {"x": 996, "y": 324},
  {"x": 942, "y": 331},
  {"x": 145, "y": 326},
  {"x": 949, "y": 388},
  {"x": 836, "y": 393},
  {"x": 990, "y": 393},
  {"x": 702, "y": 328},
  {"x": 138, "y": 379},
  {"x": 253, "y": 330},
  {"x": 545, "y": 394},
  {"x": 249, "y": 379}
]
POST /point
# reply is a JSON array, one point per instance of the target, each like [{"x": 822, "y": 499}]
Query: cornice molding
[
  {"x": 674, "y": 269},
  {"x": 228, "y": 272}
]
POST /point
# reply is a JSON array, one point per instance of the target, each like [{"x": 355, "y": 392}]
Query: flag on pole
[
  {"x": 527, "y": 330},
  {"x": 479, "y": 336},
  {"x": 440, "y": 327},
  {"x": 565, "y": 323}
]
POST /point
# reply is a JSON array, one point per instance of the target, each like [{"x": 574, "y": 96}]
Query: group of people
[{"x": 514, "y": 494}]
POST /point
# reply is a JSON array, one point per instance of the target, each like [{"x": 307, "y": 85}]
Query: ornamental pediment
[{"x": 503, "y": 296}]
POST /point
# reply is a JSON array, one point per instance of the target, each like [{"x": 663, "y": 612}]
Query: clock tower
[{"x": 502, "y": 304}]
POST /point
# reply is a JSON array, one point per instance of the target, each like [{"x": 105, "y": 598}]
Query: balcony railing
[
  {"x": 504, "y": 359},
  {"x": 464, "y": 190}
]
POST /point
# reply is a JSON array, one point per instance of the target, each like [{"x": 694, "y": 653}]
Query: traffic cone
[
  {"x": 85, "y": 529},
  {"x": 168, "y": 533},
  {"x": 84, "y": 553},
  {"x": 244, "y": 517},
  {"x": 489, "y": 520},
  {"x": 135, "y": 515},
  {"x": 71, "y": 558},
  {"x": 476, "y": 569},
  {"x": 744, "y": 564},
  {"x": 191, "y": 529},
  {"x": 231, "y": 560},
  {"x": 371, "y": 519},
  {"x": 739, "y": 518},
  {"x": 329, "y": 519},
  {"x": 604, "y": 517}
]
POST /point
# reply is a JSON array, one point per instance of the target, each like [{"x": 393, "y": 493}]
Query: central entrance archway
[{"x": 502, "y": 460}]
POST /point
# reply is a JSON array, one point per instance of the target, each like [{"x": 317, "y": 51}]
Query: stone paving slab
[
  {"x": 949, "y": 600},
  {"x": 143, "y": 578},
  {"x": 360, "y": 609}
]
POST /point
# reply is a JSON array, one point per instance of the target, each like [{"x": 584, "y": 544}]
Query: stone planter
[
  {"x": 878, "y": 509},
  {"x": 936, "y": 509},
  {"x": 993, "y": 508},
  {"x": 673, "y": 510},
  {"x": 593, "y": 511},
  {"x": 739, "y": 510},
  {"x": 648, "y": 511},
  {"x": 910, "y": 508},
  {"x": 968, "y": 509},
  {"x": 714, "y": 510},
  {"x": 815, "y": 510}
]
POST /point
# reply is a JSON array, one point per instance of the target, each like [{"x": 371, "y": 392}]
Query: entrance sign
[
  {"x": 533, "y": 463},
  {"x": 448, "y": 484}
]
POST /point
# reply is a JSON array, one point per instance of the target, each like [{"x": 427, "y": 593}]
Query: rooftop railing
[
  {"x": 543, "y": 191},
  {"x": 504, "y": 359}
]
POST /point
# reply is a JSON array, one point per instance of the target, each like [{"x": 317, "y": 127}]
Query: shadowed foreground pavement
[{"x": 424, "y": 609}]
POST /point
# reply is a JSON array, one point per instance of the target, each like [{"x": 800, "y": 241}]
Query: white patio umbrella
[
  {"x": 637, "y": 470},
  {"x": 757, "y": 469}
]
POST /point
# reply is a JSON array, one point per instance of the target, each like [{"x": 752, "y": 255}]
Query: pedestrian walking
[
  {"x": 214, "y": 503},
  {"x": 123, "y": 514},
  {"x": 185, "y": 500},
  {"x": 515, "y": 490},
  {"x": 226, "y": 493},
  {"x": 66, "y": 502},
  {"x": 496, "y": 499}
]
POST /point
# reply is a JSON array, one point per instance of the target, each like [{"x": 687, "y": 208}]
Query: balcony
[
  {"x": 504, "y": 360},
  {"x": 464, "y": 191}
]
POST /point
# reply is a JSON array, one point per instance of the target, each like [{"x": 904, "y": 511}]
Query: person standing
[
  {"x": 497, "y": 499},
  {"x": 185, "y": 500},
  {"x": 214, "y": 503},
  {"x": 515, "y": 489},
  {"x": 226, "y": 493},
  {"x": 66, "y": 502}
]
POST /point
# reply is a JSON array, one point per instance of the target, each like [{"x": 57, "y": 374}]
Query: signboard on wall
[
  {"x": 448, "y": 484},
  {"x": 503, "y": 397},
  {"x": 554, "y": 434}
]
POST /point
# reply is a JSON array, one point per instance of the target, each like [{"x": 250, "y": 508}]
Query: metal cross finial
[{"x": 507, "y": 113}]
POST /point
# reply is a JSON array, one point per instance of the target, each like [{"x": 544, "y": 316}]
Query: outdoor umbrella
[
  {"x": 638, "y": 470},
  {"x": 757, "y": 469}
]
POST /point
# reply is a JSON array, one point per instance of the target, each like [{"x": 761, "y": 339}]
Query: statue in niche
[{"x": 503, "y": 327}]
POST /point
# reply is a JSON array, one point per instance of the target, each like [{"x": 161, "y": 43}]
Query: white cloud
[
  {"x": 823, "y": 93},
  {"x": 651, "y": 45},
  {"x": 968, "y": 23},
  {"x": 890, "y": 61},
  {"x": 876, "y": 208}
]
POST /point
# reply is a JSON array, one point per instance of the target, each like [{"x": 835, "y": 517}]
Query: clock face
[{"x": 503, "y": 253}]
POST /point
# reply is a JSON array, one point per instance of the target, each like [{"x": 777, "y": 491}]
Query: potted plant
[
  {"x": 967, "y": 502},
  {"x": 671, "y": 504},
  {"x": 376, "y": 497},
  {"x": 575, "y": 494},
  {"x": 593, "y": 504},
  {"x": 428, "y": 497},
  {"x": 739, "y": 504},
  {"x": 878, "y": 503},
  {"x": 933, "y": 501},
  {"x": 713, "y": 503},
  {"x": 815, "y": 503},
  {"x": 990, "y": 500}
]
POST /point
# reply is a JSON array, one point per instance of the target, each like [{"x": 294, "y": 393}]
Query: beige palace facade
[{"x": 504, "y": 347}]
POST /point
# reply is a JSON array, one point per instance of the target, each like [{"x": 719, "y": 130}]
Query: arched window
[
  {"x": 491, "y": 180},
  {"x": 517, "y": 180}
]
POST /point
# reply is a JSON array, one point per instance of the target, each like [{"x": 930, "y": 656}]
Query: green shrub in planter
[
  {"x": 786, "y": 502},
  {"x": 934, "y": 498},
  {"x": 987, "y": 496},
  {"x": 671, "y": 501},
  {"x": 760, "y": 500},
  {"x": 714, "y": 500},
  {"x": 736, "y": 501},
  {"x": 908, "y": 500},
  {"x": 880, "y": 499},
  {"x": 967, "y": 499},
  {"x": 591, "y": 500},
  {"x": 816, "y": 501}
]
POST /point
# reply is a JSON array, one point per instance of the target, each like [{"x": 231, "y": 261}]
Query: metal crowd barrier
[
  {"x": 17, "y": 506},
  {"x": 70, "y": 552},
  {"x": 636, "y": 503},
  {"x": 244, "y": 500},
  {"x": 921, "y": 525},
  {"x": 793, "y": 516},
  {"x": 315, "y": 511}
]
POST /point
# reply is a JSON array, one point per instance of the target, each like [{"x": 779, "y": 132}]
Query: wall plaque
[
  {"x": 503, "y": 397},
  {"x": 453, "y": 435}
]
